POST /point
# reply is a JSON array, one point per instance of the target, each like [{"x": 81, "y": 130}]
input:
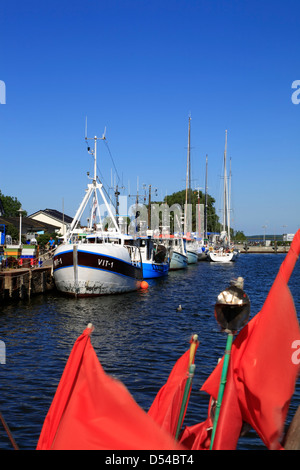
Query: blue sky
[{"x": 139, "y": 68}]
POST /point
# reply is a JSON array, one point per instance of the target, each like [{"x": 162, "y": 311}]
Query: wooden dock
[{"x": 22, "y": 283}]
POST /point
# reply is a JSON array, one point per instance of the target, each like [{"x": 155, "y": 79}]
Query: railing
[
  {"x": 11, "y": 262},
  {"x": 135, "y": 254}
]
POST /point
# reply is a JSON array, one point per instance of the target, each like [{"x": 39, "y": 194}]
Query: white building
[{"x": 53, "y": 217}]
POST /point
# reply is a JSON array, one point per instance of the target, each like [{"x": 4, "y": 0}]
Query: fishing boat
[
  {"x": 191, "y": 250},
  {"x": 178, "y": 253},
  {"x": 93, "y": 261},
  {"x": 155, "y": 257},
  {"x": 223, "y": 251}
]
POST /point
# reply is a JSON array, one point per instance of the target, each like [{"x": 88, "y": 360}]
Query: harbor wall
[
  {"x": 262, "y": 249},
  {"x": 22, "y": 283}
]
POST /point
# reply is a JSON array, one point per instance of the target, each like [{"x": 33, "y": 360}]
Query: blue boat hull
[{"x": 153, "y": 270}]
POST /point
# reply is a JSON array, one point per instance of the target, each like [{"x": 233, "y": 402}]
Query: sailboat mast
[
  {"x": 229, "y": 201},
  {"x": 205, "y": 207},
  {"x": 188, "y": 176},
  {"x": 149, "y": 208},
  {"x": 225, "y": 186},
  {"x": 189, "y": 157}
]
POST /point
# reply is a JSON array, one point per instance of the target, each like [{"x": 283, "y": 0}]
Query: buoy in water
[{"x": 144, "y": 285}]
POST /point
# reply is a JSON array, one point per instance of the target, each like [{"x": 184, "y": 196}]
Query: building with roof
[
  {"x": 53, "y": 217},
  {"x": 29, "y": 227}
]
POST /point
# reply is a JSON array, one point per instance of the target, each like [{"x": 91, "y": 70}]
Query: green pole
[
  {"x": 185, "y": 398},
  {"x": 222, "y": 386}
]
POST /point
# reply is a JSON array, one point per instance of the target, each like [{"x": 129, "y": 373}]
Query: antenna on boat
[{"x": 94, "y": 151}]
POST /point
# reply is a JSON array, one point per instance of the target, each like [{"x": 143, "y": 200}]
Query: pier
[
  {"x": 262, "y": 249},
  {"x": 22, "y": 283}
]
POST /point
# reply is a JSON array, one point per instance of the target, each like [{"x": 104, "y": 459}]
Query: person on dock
[{"x": 51, "y": 243}]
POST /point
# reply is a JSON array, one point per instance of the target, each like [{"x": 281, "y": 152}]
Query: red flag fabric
[
  {"x": 166, "y": 406},
  {"x": 198, "y": 436},
  {"x": 92, "y": 411},
  {"x": 262, "y": 375}
]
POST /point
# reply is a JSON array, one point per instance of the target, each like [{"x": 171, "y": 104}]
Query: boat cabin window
[
  {"x": 95, "y": 240},
  {"x": 117, "y": 241}
]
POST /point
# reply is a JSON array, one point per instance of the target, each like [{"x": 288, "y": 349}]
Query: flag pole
[
  {"x": 8, "y": 432},
  {"x": 222, "y": 386},
  {"x": 187, "y": 388}
]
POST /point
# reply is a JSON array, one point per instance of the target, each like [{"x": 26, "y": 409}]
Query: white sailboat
[
  {"x": 224, "y": 252},
  {"x": 93, "y": 261}
]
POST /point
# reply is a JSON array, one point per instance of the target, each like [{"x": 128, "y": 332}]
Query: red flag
[
  {"x": 197, "y": 437},
  {"x": 91, "y": 410},
  {"x": 166, "y": 406},
  {"x": 262, "y": 375}
]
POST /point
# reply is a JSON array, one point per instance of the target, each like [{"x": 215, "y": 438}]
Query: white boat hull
[
  {"x": 94, "y": 269},
  {"x": 222, "y": 256},
  {"x": 178, "y": 261},
  {"x": 192, "y": 257}
]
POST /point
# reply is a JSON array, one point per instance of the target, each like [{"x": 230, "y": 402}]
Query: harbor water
[{"x": 138, "y": 337}]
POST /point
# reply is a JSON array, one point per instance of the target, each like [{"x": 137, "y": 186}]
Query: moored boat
[
  {"x": 191, "y": 251},
  {"x": 221, "y": 255},
  {"x": 155, "y": 257},
  {"x": 202, "y": 250},
  {"x": 178, "y": 253},
  {"x": 223, "y": 251},
  {"x": 95, "y": 266},
  {"x": 93, "y": 261}
]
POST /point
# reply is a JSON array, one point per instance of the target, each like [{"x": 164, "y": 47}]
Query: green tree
[
  {"x": 11, "y": 205},
  {"x": 179, "y": 197},
  {"x": 239, "y": 236}
]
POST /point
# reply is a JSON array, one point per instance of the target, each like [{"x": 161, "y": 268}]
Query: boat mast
[
  {"x": 149, "y": 208},
  {"x": 92, "y": 190},
  {"x": 229, "y": 201},
  {"x": 205, "y": 207},
  {"x": 188, "y": 176},
  {"x": 225, "y": 186}
]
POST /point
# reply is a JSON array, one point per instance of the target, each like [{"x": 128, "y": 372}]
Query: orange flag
[
  {"x": 166, "y": 406},
  {"x": 262, "y": 373},
  {"x": 92, "y": 411}
]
